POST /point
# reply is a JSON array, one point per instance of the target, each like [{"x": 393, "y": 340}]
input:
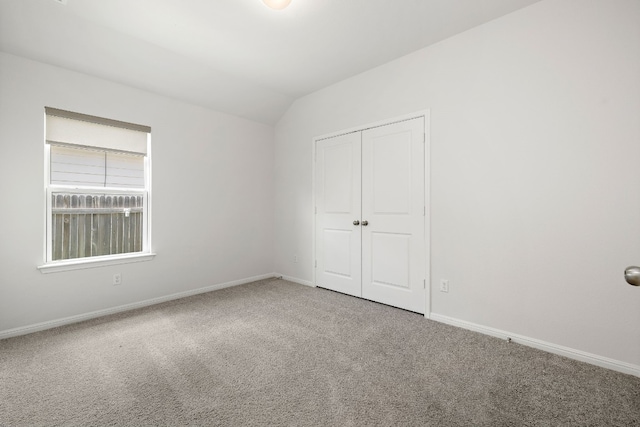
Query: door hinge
[{"x": 424, "y": 283}]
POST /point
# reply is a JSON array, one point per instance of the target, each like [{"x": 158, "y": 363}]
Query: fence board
[
  {"x": 73, "y": 227},
  {"x": 127, "y": 226},
  {"x": 65, "y": 228},
  {"x": 94, "y": 225},
  {"x": 57, "y": 229},
  {"x": 102, "y": 229},
  {"x": 112, "y": 203},
  {"x": 82, "y": 228},
  {"x": 134, "y": 225}
]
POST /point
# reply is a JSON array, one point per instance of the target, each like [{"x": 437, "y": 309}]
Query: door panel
[
  {"x": 390, "y": 254},
  {"x": 338, "y": 250},
  {"x": 393, "y": 245},
  {"x": 391, "y": 173},
  {"x": 338, "y": 200},
  {"x": 338, "y": 173}
]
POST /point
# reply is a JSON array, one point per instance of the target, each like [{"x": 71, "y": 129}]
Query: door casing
[{"x": 427, "y": 173}]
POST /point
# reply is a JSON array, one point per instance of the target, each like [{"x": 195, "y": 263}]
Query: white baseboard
[
  {"x": 23, "y": 330},
  {"x": 295, "y": 280},
  {"x": 594, "y": 359}
]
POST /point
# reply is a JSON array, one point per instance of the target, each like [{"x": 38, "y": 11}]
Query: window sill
[{"x": 93, "y": 262}]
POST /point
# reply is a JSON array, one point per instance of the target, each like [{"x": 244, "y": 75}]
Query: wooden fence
[{"x": 85, "y": 225}]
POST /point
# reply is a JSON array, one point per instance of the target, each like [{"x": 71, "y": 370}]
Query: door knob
[
  {"x": 631, "y": 275},
  {"x": 365, "y": 223},
  {"x": 356, "y": 222}
]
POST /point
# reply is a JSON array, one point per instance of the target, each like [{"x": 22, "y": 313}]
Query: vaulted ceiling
[{"x": 235, "y": 56}]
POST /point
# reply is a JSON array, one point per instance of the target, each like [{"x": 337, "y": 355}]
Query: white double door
[{"x": 370, "y": 214}]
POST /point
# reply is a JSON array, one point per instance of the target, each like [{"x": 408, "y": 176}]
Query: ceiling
[{"x": 235, "y": 56}]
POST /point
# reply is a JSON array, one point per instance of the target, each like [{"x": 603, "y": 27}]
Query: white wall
[
  {"x": 535, "y": 154},
  {"x": 212, "y": 196}
]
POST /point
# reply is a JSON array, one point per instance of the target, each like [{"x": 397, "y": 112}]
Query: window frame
[{"x": 50, "y": 265}]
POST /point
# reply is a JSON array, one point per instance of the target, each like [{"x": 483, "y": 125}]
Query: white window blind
[
  {"x": 68, "y": 128},
  {"x": 96, "y": 168}
]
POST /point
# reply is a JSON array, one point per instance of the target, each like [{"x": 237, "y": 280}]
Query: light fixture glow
[{"x": 277, "y": 4}]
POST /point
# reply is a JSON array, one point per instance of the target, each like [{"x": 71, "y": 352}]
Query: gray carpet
[{"x": 276, "y": 353}]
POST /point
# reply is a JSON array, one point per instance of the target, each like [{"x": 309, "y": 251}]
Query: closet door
[
  {"x": 393, "y": 209},
  {"x": 338, "y": 198}
]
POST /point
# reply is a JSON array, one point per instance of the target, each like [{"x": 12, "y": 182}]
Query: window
[{"x": 97, "y": 189}]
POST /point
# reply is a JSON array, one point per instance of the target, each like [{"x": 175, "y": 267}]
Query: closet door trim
[{"x": 427, "y": 172}]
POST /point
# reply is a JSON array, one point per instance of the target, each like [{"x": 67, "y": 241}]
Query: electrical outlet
[
  {"x": 444, "y": 285},
  {"x": 117, "y": 279},
  {"x": 295, "y": 258}
]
